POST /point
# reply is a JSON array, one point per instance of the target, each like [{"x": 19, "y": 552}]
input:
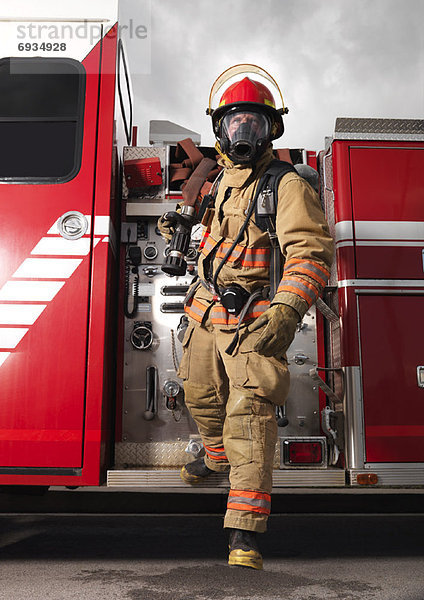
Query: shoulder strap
[
  {"x": 269, "y": 181},
  {"x": 265, "y": 214},
  {"x": 267, "y": 192}
]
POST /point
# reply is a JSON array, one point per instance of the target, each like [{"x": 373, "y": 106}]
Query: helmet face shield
[
  {"x": 244, "y": 134},
  {"x": 243, "y": 92}
]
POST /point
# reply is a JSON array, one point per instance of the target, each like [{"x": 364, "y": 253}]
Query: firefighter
[{"x": 234, "y": 364}]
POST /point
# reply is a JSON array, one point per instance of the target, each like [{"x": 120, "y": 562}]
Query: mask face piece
[{"x": 244, "y": 135}]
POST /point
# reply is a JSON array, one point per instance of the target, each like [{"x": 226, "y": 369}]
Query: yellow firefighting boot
[
  {"x": 195, "y": 472},
  {"x": 244, "y": 551}
]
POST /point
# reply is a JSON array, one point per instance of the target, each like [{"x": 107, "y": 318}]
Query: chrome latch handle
[
  {"x": 72, "y": 225},
  {"x": 420, "y": 376}
]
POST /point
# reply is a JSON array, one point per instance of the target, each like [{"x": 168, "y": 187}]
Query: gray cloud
[{"x": 331, "y": 58}]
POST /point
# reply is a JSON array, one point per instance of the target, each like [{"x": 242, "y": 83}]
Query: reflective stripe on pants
[{"x": 232, "y": 400}]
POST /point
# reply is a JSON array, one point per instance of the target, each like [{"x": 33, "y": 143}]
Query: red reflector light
[
  {"x": 303, "y": 453},
  {"x": 367, "y": 479}
]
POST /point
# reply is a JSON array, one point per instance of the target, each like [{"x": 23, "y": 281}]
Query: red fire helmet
[
  {"x": 248, "y": 92},
  {"x": 245, "y": 92}
]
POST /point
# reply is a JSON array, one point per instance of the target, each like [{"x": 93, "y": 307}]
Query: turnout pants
[{"x": 232, "y": 400}]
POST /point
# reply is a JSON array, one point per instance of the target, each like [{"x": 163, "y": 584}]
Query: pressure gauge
[
  {"x": 150, "y": 252},
  {"x": 197, "y": 232},
  {"x": 141, "y": 337},
  {"x": 171, "y": 388},
  {"x": 191, "y": 253}
]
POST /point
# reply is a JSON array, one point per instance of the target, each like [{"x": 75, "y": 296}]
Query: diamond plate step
[{"x": 152, "y": 478}]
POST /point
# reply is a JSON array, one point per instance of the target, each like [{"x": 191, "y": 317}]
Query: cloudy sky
[{"x": 331, "y": 58}]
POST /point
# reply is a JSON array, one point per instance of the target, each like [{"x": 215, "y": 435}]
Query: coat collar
[{"x": 236, "y": 176}]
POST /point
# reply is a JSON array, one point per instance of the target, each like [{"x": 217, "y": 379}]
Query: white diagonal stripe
[
  {"x": 381, "y": 283},
  {"x": 102, "y": 225},
  {"x": 58, "y": 246},
  {"x": 42, "y": 291},
  {"x": 344, "y": 244},
  {"x": 3, "y": 356},
  {"x": 389, "y": 230},
  {"x": 38, "y": 291},
  {"x": 344, "y": 230},
  {"x": 54, "y": 229},
  {"x": 20, "y": 314},
  {"x": 11, "y": 336},
  {"x": 45, "y": 268},
  {"x": 380, "y": 243}
]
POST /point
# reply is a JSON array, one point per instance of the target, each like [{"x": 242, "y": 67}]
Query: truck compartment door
[
  {"x": 391, "y": 334},
  {"x": 48, "y": 120},
  {"x": 387, "y": 193}
]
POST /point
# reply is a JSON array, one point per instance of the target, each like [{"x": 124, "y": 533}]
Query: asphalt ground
[
  {"x": 183, "y": 557},
  {"x": 343, "y": 545}
]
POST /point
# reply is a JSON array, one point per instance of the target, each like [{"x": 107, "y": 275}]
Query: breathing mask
[{"x": 244, "y": 134}]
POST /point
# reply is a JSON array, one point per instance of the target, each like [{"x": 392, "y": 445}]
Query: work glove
[
  {"x": 279, "y": 323},
  {"x": 167, "y": 227}
]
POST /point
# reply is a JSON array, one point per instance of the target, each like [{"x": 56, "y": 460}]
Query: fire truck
[{"x": 90, "y": 323}]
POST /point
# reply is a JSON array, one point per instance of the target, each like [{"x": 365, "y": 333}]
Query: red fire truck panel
[
  {"x": 56, "y": 300},
  {"x": 80, "y": 341},
  {"x": 44, "y": 314},
  {"x": 387, "y": 194},
  {"x": 391, "y": 333}
]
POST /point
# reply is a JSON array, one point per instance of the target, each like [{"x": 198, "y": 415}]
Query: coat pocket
[{"x": 267, "y": 376}]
